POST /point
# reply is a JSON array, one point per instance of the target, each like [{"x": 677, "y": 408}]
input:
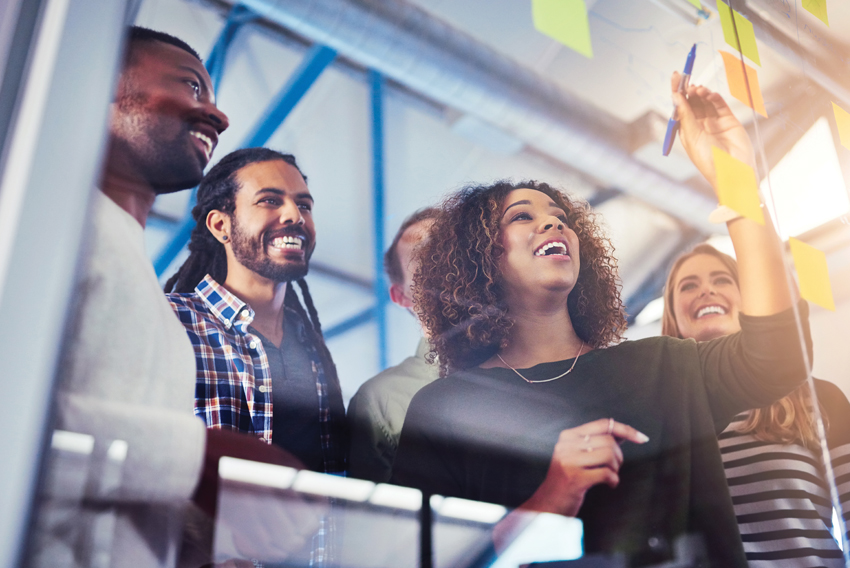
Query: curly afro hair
[{"x": 457, "y": 290}]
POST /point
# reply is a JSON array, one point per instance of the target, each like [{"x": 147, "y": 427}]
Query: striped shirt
[
  {"x": 780, "y": 495},
  {"x": 233, "y": 388}
]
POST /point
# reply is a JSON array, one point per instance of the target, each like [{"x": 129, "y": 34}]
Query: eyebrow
[
  {"x": 527, "y": 202},
  {"x": 713, "y": 273},
  {"x": 280, "y": 192}
]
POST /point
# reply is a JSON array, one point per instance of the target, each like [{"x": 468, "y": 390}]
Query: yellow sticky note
[
  {"x": 739, "y": 81},
  {"x": 564, "y": 21},
  {"x": 731, "y": 21},
  {"x": 737, "y": 187},
  {"x": 696, "y": 4},
  {"x": 812, "y": 273},
  {"x": 842, "y": 121},
  {"x": 818, "y": 8}
]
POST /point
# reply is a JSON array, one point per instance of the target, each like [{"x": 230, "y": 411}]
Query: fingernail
[{"x": 642, "y": 438}]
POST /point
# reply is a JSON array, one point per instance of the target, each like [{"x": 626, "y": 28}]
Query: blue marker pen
[{"x": 673, "y": 124}]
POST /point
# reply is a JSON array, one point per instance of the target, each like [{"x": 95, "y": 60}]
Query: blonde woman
[{"x": 771, "y": 455}]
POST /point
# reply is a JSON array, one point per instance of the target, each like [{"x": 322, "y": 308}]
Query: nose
[
  {"x": 554, "y": 222},
  {"x": 217, "y": 118},
  {"x": 290, "y": 213},
  {"x": 707, "y": 289}
]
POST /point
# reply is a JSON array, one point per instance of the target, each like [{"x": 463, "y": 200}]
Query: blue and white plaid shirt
[{"x": 234, "y": 384}]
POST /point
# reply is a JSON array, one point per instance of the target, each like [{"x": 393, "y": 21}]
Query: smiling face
[
  {"x": 541, "y": 253},
  {"x": 271, "y": 231},
  {"x": 164, "y": 124},
  {"x": 706, "y": 299}
]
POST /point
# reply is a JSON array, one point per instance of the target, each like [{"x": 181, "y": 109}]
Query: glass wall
[{"x": 602, "y": 399}]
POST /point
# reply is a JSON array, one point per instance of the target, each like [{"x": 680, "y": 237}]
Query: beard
[
  {"x": 160, "y": 145},
  {"x": 250, "y": 252}
]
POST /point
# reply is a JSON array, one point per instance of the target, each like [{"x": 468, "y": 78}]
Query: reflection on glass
[
  {"x": 278, "y": 516},
  {"x": 67, "y": 533}
]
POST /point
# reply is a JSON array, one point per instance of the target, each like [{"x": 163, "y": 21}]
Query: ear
[
  {"x": 219, "y": 225},
  {"x": 398, "y": 296}
]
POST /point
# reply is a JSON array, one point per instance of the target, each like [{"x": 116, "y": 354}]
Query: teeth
[
  {"x": 294, "y": 243},
  {"x": 205, "y": 139},
  {"x": 710, "y": 310},
  {"x": 542, "y": 250}
]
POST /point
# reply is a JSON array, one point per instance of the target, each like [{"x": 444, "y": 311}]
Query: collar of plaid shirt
[{"x": 236, "y": 315}]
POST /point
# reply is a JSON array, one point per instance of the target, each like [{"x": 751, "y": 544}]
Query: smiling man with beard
[{"x": 262, "y": 365}]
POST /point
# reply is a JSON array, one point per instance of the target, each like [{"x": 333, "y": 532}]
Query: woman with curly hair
[{"x": 518, "y": 290}]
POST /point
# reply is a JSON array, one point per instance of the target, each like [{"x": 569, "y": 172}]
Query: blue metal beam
[
  {"x": 354, "y": 321},
  {"x": 376, "y": 81},
  {"x": 238, "y": 16},
  {"x": 314, "y": 63},
  {"x": 602, "y": 195}
]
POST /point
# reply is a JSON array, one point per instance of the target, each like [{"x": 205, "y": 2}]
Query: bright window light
[
  {"x": 723, "y": 243},
  {"x": 807, "y": 184},
  {"x": 257, "y": 473},
  {"x": 397, "y": 497},
  {"x": 333, "y": 486},
  {"x": 72, "y": 442},
  {"x": 652, "y": 312},
  {"x": 548, "y": 538},
  {"x": 471, "y": 510}
]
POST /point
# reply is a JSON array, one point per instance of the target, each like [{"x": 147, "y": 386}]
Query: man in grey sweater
[{"x": 127, "y": 369}]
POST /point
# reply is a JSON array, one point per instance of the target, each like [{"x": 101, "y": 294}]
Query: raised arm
[{"x": 706, "y": 121}]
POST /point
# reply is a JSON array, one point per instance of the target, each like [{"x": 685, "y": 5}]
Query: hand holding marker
[{"x": 673, "y": 124}]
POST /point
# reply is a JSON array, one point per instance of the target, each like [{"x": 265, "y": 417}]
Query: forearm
[{"x": 761, "y": 268}]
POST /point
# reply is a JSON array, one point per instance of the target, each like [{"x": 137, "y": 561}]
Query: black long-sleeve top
[{"x": 487, "y": 435}]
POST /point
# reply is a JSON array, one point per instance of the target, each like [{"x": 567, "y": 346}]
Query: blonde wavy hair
[{"x": 789, "y": 419}]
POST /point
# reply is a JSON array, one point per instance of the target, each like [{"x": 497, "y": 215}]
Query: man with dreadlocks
[{"x": 262, "y": 365}]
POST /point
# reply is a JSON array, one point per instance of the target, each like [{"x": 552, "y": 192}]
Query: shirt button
[
  {"x": 264, "y": 389},
  {"x": 252, "y": 345}
]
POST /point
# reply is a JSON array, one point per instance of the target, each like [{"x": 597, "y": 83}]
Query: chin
[
  {"x": 713, "y": 333},
  {"x": 185, "y": 174}
]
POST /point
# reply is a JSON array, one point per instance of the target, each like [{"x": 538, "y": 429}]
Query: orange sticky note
[
  {"x": 738, "y": 82},
  {"x": 737, "y": 187},
  {"x": 812, "y": 273},
  {"x": 564, "y": 21},
  {"x": 818, "y": 8},
  {"x": 842, "y": 121}
]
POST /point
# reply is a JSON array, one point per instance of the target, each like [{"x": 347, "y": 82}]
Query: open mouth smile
[
  {"x": 713, "y": 309},
  {"x": 288, "y": 242},
  {"x": 553, "y": 248},
  {"x": 206, "y": 142}
]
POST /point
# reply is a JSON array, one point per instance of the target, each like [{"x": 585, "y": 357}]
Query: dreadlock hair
[{"x": 207, "y": 255}]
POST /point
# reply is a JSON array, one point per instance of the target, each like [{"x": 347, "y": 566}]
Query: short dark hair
[
  {"x": 138, "y": 34},
  {"x": 392, "y": 264}
]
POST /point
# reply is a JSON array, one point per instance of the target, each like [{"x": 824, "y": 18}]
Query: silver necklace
[{"x": 564, "y": 374}]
